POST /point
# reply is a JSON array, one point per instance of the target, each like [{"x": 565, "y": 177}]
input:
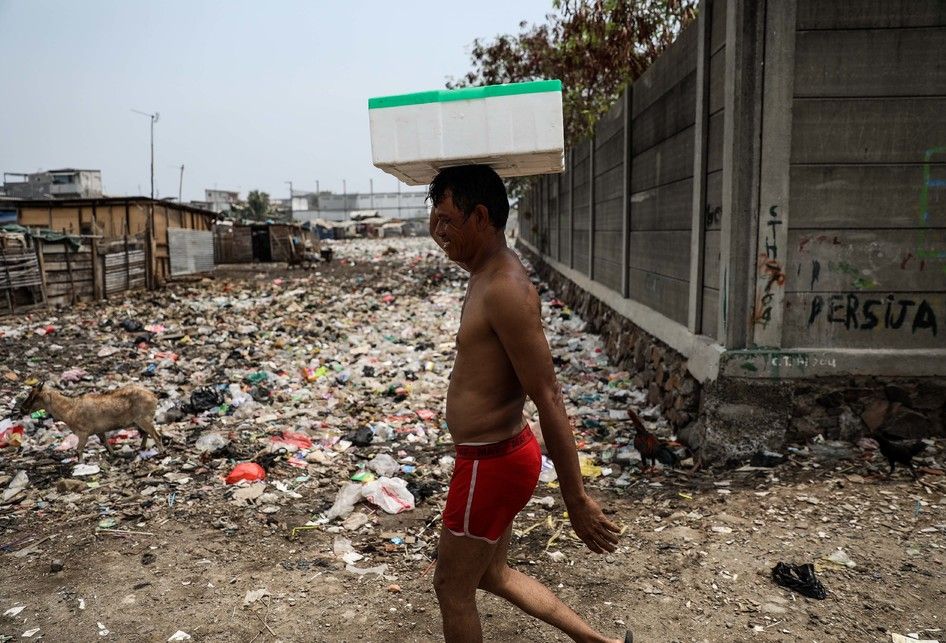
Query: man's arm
[{"x": 514, "y": 313}]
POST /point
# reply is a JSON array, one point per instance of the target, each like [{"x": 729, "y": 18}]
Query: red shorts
[{"x": 492, "y": 483}]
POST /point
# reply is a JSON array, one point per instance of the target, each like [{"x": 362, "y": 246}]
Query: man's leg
[
  {"x": 532, "y": 597},
  {"x": 461, "y": 562}
]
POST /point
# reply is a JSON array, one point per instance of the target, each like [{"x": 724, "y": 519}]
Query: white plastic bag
[
  {"x": 19, "y": 483},
  {"x": 383, "y": 465},
  {"x": 343, "y": 550},
  {"x": 345, "y": 501},
  {"x": 446, "y": 463},
  {"x": 211, "y": 442},
  {"x": 380, "y": 570},
  {"x": 390, "y": 494}
]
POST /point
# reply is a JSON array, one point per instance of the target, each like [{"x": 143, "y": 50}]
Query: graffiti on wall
[
  {"x": 931, "y": 184},
  {"x": 773, "y": 362},
  {"x": 855, "y": 311},
  {"x": 713, "y": 215},
  {"x": 771, "y": 276}
]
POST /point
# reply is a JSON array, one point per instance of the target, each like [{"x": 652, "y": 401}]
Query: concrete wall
[
  {"x": 337, "y": 207},
  {"x": 768, "y": 202},
  {"x": 824, "y": 229},
  {"x": 623, "y": 211},
  {"x": 866, "y": 213}
]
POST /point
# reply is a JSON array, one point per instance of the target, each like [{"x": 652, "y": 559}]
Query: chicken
[
  {"x": 650, "y": 447},
  {"x": 899, "y": 451}
]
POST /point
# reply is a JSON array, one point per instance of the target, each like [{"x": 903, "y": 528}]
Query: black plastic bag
[
  {"x": 799, "y": 578},
  {"x": 132, "y": 325},
  {"x": 360, "y": 438},
  {"x": 204, "y": 399}
]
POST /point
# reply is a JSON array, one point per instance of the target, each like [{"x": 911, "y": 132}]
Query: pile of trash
[{"x": 318, "y": 393}]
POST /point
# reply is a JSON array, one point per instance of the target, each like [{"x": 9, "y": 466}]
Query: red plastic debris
[
  {"x": 246, "y": 471},
  {"x": 300, "y": 440},
  {"x": 11, "y": 436},
  {"x": 125, "y": 435}
]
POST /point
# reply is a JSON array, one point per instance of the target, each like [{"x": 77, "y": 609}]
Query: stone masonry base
[{"x": 727, "y": 420}]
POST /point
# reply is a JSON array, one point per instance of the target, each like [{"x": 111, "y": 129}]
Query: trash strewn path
[{"x": 331, "y": 383}]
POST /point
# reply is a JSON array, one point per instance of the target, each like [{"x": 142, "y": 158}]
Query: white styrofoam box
[{"x": 516, "y": 129}]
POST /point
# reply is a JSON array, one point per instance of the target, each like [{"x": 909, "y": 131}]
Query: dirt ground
[{"x": 694, "y": 562}]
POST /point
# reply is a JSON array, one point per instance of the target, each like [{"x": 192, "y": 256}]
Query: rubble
[
  {"x": 330, "y": 387},
  {"x": 316, "y": 385}
]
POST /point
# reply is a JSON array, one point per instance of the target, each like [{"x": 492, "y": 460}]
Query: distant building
[
  {"x": 339, "y": 207},
  {"x": 221, "y": 200},
  {"x": 68, "y": 183}
]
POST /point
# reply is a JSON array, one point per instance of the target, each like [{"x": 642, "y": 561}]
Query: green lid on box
[{"x": 465, "y": 93}]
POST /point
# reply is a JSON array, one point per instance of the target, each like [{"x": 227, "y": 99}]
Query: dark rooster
[
  {"x": 899, "y": 451},
  {"x": 650, "y": 447}
]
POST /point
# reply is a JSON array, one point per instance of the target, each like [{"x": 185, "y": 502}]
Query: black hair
[{"x": 472, "y": 185}]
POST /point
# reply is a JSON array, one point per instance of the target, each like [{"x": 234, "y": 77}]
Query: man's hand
[{"x": 588, "y": 521}]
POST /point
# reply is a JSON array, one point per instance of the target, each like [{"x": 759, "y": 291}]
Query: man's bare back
[{"x": 485, "y": 398}]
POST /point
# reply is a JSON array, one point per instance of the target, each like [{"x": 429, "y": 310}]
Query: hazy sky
[{"x": 250, "y": 94}]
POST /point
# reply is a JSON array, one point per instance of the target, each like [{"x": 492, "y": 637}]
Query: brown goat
[{"x": 97, "y": 413}]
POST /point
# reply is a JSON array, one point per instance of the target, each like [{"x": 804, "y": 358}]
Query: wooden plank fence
[{"x": 20, "y": 275}]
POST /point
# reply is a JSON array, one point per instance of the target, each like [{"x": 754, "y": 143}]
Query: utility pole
[
  {"x": 154, "y": 119},
  {"x": 180, "y": 184},
  {"x": 290, "y": 198}
]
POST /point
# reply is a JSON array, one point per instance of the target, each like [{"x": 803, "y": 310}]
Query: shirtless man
[{"x": 502, "y": 356}]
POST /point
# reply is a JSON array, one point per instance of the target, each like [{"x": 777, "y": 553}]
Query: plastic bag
[
  {"x": 237, "y": 397},
  {"x": 291, "y": 438},
  {"x": 12, "y": 436},
  {"x": 588, "y": 467},
  {"x": 343, "y": 550},
  {"x": 390, "y": 494},
  {"x": 446, "y": 462},
  {"x": 19, "y": 483},
  {"x": 71, "y": 441},
  {"x": 85, "y": 470},
  {"x": 548, "y": 473},
  {"x": 799, "y": 578},
  {"x": 345, "y": 501},
  {"x": 211, "y": 442},
  {"x": 361, "y": 571},
  {"x": 205, "y": 398},
  {"x": 246, "y": 471},
  {"x": 121, "y": 436},
  {"x": 383, "y": 465}
]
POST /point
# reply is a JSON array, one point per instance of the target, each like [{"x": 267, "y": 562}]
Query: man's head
[{"x": 471, "y": 186}]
